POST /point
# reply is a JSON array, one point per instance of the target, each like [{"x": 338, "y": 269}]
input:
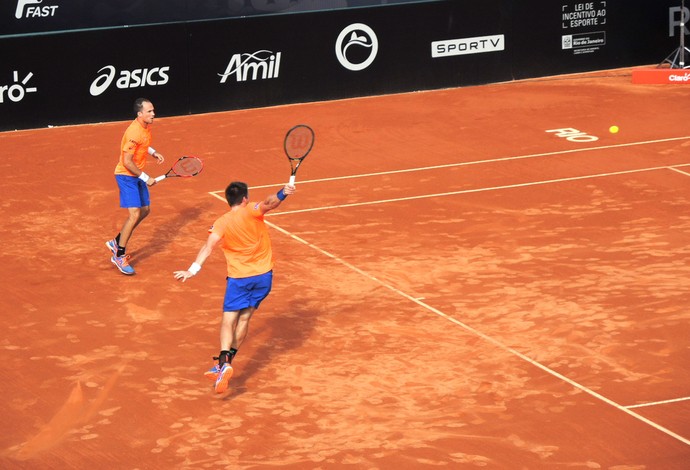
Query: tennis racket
[
  {"x": 298, "y": 143},
  {"x": 184, "y": 167}
]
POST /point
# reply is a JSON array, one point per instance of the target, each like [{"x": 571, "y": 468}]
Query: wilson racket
[
  {"x": 298, "y": 143},
  {"x": 184, "y": 167}
]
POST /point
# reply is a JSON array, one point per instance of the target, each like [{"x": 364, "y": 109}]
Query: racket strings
[
  {"x": 298, "y": 142},
  {"x": 188, "y": 166}
]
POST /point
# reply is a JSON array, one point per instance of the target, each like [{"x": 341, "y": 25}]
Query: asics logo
[{"x": 128, "y": 78}]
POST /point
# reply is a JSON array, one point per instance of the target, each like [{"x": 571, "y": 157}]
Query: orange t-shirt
[
  {"x": 136, "y": 141},
  {"x": 246, "y": 244}
]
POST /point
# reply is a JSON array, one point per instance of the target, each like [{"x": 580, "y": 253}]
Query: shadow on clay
[
  {"x": 164, "y": 233},
  {"x": 288, "y": 332}
]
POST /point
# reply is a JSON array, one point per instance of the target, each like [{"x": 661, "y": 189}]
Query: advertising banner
[
  {"x": 267, "y": 60},
  {"x": 38, "y": 16},
  {"x": 34, "y": 16},
  {"x": 75, "y": 78}
]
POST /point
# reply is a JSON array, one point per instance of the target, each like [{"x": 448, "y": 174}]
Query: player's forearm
[
  {"x": 271, "y": 202},
  {"x": 204, "y": 253}
]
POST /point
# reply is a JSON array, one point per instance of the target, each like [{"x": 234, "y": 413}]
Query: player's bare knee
[{"x": 134, "y": 214}]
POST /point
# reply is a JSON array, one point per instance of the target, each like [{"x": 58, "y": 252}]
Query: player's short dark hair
[
  {"x": 139, "y": 104},
  {"x": 235, "y": 192}
]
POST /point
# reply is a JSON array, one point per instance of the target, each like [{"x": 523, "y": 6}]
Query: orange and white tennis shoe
[
  {"x": 212, "y": 373},
  {"x": 223, "y": 378}
]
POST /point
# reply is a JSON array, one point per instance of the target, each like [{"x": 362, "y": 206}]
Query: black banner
[
  {"x": 35, "y": 16},
  {"x": 75, "y": 78},
  {"x": 266, "y": 60}
]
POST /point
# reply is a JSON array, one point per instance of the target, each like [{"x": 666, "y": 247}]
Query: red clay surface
[{"x": 455, "y": 287}]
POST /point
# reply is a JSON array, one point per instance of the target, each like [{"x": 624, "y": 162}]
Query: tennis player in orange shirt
[
  {"x": 132, "y": 181},
  {"x": 243, "y": 236}
]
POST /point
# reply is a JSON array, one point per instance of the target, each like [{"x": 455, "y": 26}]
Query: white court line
[
  {"x": 480, "y": 162},
  {"x": 625, "y": 409},
  {"x": 679, "y": 171},
  {"x": 654, "y": 403},
  {"x": 479, "y": 190},
  {"x": 487, "y": 338}
]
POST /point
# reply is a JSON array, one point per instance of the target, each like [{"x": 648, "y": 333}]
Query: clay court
[{"x": 457, "y": 285}]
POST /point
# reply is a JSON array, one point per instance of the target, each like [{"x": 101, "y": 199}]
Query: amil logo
[{"x": 259, "y": 65}]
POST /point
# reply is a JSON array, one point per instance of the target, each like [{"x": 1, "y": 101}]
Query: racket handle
[
  {"x": 159, "y": 178},
  {"x": 292, "y": 179}
]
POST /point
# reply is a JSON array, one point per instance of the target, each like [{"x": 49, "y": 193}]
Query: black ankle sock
[
  {"x": 117, "y": 239},
  {"x": 120, "y": 252},
  {"x": 224, "y": 357}
]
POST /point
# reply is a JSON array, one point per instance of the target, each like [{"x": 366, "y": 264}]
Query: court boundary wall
[{"x": 197, "y": 66}]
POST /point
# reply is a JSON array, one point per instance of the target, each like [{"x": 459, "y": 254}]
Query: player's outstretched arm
[
  {"x": 204, "y": 252},
  {"x": 273, "y": 200}
]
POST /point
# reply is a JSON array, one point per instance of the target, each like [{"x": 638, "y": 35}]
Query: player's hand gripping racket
[
  {"x": 298, "y": 143},
  {"x": 184, "y": 167}
]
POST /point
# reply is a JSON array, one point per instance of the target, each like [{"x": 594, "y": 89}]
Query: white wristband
[
  {"x": 152, "y": 151},
  {"x": 194, "y": 268},
  {"x": 144, "y": 177}
]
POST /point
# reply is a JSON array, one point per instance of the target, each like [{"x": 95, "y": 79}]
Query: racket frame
[
  {"x": 294, "y": 166},
  {"x": 173, "y": 174}
]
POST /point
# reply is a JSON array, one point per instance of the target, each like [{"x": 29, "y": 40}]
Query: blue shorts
[
  {"x": 247, "y": 291},
  {"x": 133, "y": 191}
]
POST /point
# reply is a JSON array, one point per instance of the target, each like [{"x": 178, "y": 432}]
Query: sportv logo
[
  {"x": 477, "y": 45},
  {"x": 32, "y": 11},
  {"x": 128, "y": 78},
  {"x": 356, "y": 47},
  {"x": 18, "y": 89},
  {"x": 262, "y": 65}
]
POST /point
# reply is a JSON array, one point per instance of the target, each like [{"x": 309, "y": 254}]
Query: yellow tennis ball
[{"x": 613, "y": 129}]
